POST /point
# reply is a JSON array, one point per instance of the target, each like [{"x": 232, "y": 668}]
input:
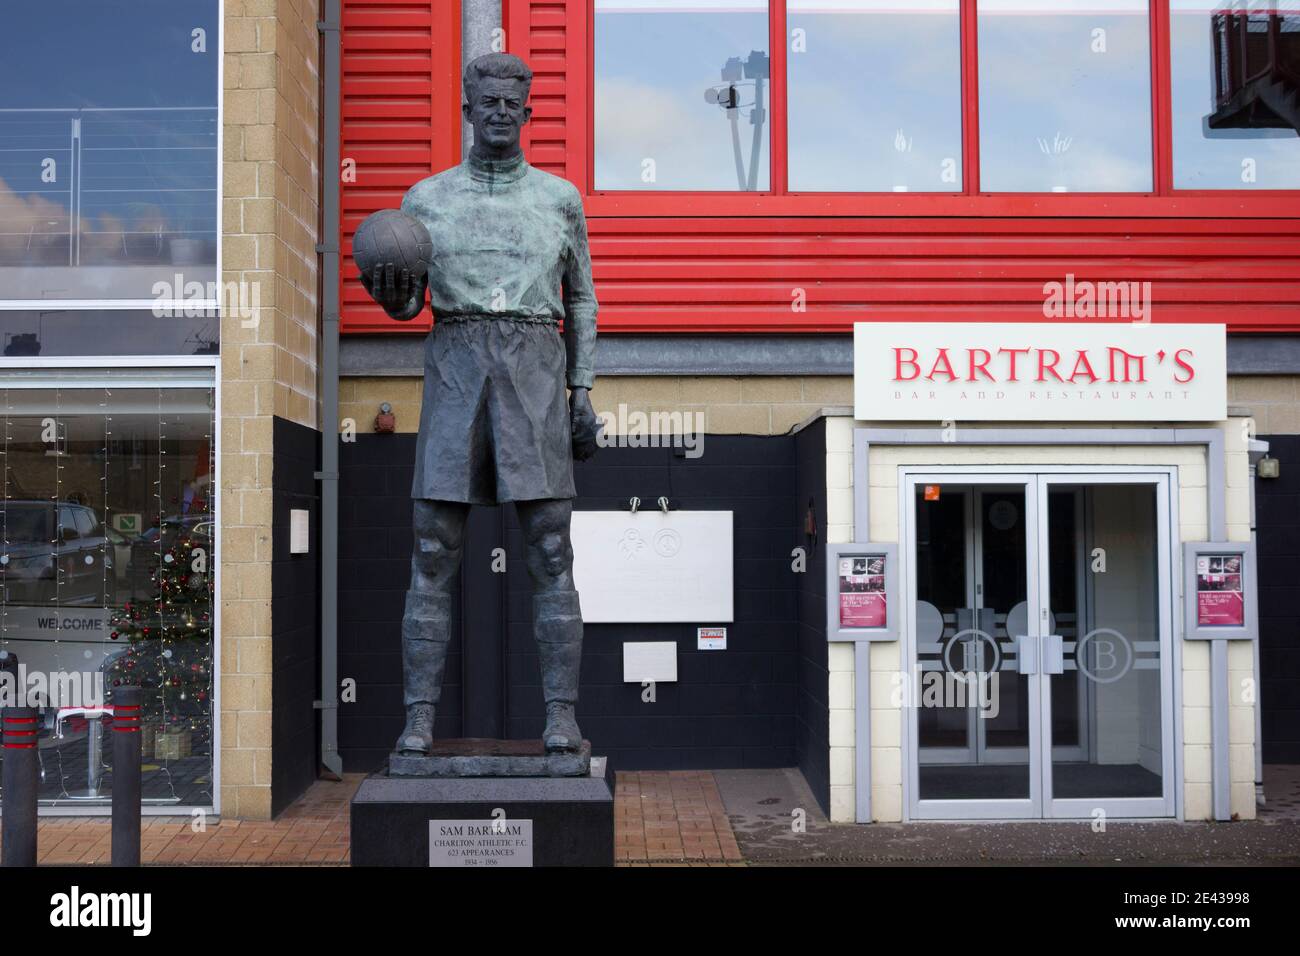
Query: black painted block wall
[
  {"x": 295, "y": 616},
  {"x": 374, "y": 569},
  {"x": 812, "y": 729},
  {"x": 1277, "y": 522},
  {"x": 732, "y": 708}
]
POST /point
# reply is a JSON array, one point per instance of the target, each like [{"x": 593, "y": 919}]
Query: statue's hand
[
  {"x": 400, "y": 293},
  {"x": 585, "y": 426}
]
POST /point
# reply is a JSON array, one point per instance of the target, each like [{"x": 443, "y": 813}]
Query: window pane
[
  {"x": 666, "y": 72},
  {"x": 111, "y": 332},
  {"x": 875, "y": 96},
  {"x": 108, "y": 164},
  {"x": 1236, "y": 87},
  {"x": 1065, "y": 96},
  {"x": 128, "y": 597}
]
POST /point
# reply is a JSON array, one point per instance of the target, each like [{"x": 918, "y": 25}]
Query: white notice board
[{"x": 653, "y": 567}]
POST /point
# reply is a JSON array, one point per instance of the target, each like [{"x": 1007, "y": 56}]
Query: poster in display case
[
  {"x": 1219, "y": 599},
  {"x": 862, "y": 592}
]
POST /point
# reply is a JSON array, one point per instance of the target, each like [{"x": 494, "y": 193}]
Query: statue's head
[{"x": 496, "y": 96}]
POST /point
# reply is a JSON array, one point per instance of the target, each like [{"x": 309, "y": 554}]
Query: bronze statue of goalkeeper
[{"x": 509, "y": 262}]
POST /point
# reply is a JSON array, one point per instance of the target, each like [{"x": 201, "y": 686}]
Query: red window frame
[{"x": 1164, "y": 201}]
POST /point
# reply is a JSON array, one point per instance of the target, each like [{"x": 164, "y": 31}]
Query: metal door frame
[
  {"x": 1162, "y": 806},
  {"x": 1041, "y": 804},
  {"x": 992, "y": 809}
]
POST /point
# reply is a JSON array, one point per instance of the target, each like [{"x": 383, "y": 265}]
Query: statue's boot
[
  {"x": 426, "y": 632},
  {"x": 557, "y": 625}
]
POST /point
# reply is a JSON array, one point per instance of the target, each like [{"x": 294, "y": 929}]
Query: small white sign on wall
[
  {"x": 649, "y": 661},
  {"x": 299, "y": 531},
  {"x": 653, "y": 567},
  {"x": 711, "y": 638},
  {"x": 1040, "y": 371}
]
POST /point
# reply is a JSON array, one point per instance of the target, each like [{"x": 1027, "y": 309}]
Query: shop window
[
  {"x": 1065, "y": 96},
  {"x": 1235, "y": 94},
  {"x": 106, "y": 574},
  {"x": 111, "y": 332},
  {"x": 875, "y": 96},
  {"x": 979, "y": 106},
  {"x": 682, "y": 95},
  {"x": 108, "y": 149}
]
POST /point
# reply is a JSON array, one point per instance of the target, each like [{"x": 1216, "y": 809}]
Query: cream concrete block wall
[
  {"x": 717, "y": 405},
  {"x": 842, "y": 731},
  {"x": 1274, "y": 401},
  {"x": 839, "y": 530},
  {"x": 1193, "y": 513},
  {"x": 760, "y": 405},
  {"x": 270, "y": 185}
]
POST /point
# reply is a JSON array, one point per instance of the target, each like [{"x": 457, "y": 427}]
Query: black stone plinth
[
  {"x": 481, "y": 757},
  {"x": 572, "y": 817}
]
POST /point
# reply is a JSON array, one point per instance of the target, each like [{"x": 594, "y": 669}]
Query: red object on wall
[
  {"x": 401, "y": 122},
  {"x": 739, "y": 262}
]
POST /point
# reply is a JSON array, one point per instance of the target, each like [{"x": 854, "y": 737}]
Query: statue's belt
[{"x": 453, "y": 317}]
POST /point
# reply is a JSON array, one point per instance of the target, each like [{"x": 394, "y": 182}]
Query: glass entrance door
[
  {"x": 1038, "y": 645},
  {"x": 974, "y": 543},
  {"x": 1105, "y": 673}
]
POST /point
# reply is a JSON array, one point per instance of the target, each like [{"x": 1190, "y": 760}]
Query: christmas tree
[{"x": 168, "y": 636}]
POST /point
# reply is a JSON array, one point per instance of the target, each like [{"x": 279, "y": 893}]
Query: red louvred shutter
[
  {"x": 401, "y": 122},
  {"x": 551, "y": 36}
]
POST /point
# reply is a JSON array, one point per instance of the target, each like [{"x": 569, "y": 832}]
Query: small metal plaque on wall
[{"x": 481, "y": 843}]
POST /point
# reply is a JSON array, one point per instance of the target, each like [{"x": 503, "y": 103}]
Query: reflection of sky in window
[
  {"x": 875, "y": 98},
  {"x": 85, "y": 53},
  {"x": 1055, "y": 115},
  {"x": 653, "y": 63},
  {"x": 85, "y": 332},
  {"x": 1216, "y": 159},
  {"x": 147, "y": 166}
]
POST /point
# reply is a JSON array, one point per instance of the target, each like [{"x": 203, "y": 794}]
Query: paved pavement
[
  {"x": 726, "y": 818},
  {"x": 312, "y": 832},
  {"x": 671, "y": 817},
  {"x": 761, "y": 804}
]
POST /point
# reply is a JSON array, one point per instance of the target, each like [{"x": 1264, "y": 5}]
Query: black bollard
[
  {"x": 20, "y": 785},
  {"x": 126, "y": 776}
]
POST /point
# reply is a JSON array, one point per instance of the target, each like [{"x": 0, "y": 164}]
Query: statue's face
[{"x": 497, "y": 111}]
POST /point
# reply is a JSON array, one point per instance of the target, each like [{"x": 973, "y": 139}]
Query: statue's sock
[
  {"x": 426, "y": 633},
  {"x": 557, "y": 625}
]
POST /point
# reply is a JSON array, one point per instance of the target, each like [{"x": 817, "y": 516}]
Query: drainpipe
[
  {"x": 479, "y": 21},
  {"x": 328, "y": 476}
]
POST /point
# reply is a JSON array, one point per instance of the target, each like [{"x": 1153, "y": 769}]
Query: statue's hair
[{"x": 499, "y": 66}]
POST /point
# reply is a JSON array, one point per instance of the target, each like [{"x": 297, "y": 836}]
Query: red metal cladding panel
[
  {"x": 401, "y": 122},
  {"x": 735, "y": 263},
  {"x": 808, "y": 274},
  {"x": 540, "y": 31}
]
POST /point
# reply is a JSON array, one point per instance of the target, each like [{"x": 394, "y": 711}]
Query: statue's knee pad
[{"x": 554, "y": 552}]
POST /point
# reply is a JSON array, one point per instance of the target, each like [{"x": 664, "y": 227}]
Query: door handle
[
  {"x": 1026, "y": 654},
  {"x": 1053, "y": 654}
]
